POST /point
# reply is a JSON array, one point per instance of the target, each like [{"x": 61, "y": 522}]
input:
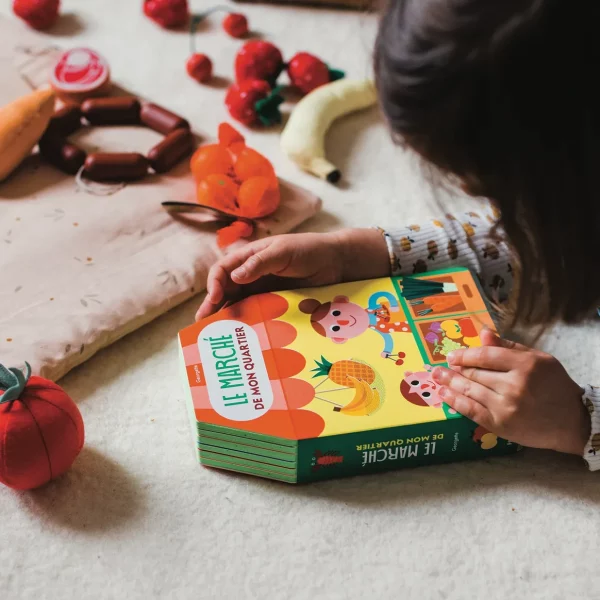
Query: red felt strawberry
[
  {"x": 252, "y": 102},
  {"x": 167, "y": 13},
  {"x": 199, "y": 67},
  {"x": 39, "y": 14},
  {"x": 258, "y": 59},
  {"x": 41, "y": 430},
  {"x": 308, "y": 72},
  {"x": 236, "y": 25}
]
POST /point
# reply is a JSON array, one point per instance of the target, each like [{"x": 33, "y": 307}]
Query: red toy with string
[{"x": 41, "y": 429}]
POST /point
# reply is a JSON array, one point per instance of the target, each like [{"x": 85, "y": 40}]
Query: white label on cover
[{"x": 236, "y": 376}]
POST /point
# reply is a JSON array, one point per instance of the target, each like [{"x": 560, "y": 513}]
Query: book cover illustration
[{"x": 311, "y": 384}]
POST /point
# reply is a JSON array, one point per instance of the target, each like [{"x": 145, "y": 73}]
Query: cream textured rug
[{"x": 137, "y": 518}]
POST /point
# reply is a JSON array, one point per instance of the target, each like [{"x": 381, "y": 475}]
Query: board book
[{"x": 335, "y": 381}]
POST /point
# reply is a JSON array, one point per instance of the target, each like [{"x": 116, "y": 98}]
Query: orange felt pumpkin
[
  {"x": 237, "y": 180},
  {"x": 41, "y": 429}
]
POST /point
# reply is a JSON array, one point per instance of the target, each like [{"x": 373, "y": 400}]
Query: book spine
[{"x": 397, "y": 448}]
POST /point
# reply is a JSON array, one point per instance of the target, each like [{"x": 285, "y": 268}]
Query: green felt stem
[
  {"x": 273, "y": 80},
  {"x": 13, "y": 382},
  {"x": 335, "y": 74},
  {"x": 268, "y": 108}
]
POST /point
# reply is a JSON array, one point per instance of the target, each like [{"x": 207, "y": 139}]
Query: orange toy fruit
[{"x": 237, "y": 180}]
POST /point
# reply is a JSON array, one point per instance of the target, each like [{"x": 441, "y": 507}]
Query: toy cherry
[
  {"x": 234, "y": 24},
  {"x": 41, "y": 429},
  {"x": 236, "y": 180},
  {"x": 199, "y": 67}
]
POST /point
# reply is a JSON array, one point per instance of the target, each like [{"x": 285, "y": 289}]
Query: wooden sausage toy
[
  {"x": 115, "y": 166},
  {"x": 161, "y": 120},
  {"x": 107, "y": 166},
  {"x": 171, "y": 150},
  {"x": 120, "y": 110}
]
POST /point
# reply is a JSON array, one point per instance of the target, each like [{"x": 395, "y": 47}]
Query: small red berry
[
  {"x": 258, "y": 60},
  {"x": 236, "y": 25},
  {"x": 167, "y": 13},
  {"x": 401, "y": 355},
  {"x": 39, "y": 14},
  {"x": 199, "y": 67},
  {"x": 252, "y": 102},
  {"x": 399, "y": 362},
  {"x": 307, "y": 72}
]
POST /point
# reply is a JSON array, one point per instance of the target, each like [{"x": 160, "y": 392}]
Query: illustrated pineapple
[{"x": 340, "y": 371}]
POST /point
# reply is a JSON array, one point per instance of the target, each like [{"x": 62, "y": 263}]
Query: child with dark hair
[{"x": 497, "y": 98}]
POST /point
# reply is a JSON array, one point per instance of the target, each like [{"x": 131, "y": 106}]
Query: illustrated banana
[
  {"x": 365, "y": 402},
  {"x": 360, "y": 395},
  {"x": 303, "y": 138},
  {"x": 22, "y": 124}
]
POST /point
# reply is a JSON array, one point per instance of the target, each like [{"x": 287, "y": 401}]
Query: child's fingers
[
  {"x": 489, "y": 338},
  {"x": 232, "y": 261},
  {"x": 219, "y": 274},
  {"x": 463, "y": 386},
  {"x": 490, "y": 379},
  {"x": 467, "y": 407},
  {"x": 269, "y": 261},
  {"x": 492, "y": 358},
  {"x": 215, "y": 285},
  {"x": 206, "y": 309}
]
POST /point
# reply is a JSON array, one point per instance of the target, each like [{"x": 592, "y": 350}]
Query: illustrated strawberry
[
  {"x": 39, "y": 14},
  {"x": 308, "y": 72},
  {"x": 199, "y": 67},
  {"x": 258, "y": 59},
  {"x": 252, "y": 102},
  {"x": 167, "y": 13},
  {"x": 236, "y": 25}
]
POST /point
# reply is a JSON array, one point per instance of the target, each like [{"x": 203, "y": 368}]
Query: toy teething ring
[{"x": 115, "y": 166}]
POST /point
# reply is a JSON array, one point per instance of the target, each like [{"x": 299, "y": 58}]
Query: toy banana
[
  {"x": 22, "y": 124},
  {"x": 303, "y": 138}
]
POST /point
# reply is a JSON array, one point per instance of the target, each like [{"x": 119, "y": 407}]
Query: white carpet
[{"x": 138, "y": 518}]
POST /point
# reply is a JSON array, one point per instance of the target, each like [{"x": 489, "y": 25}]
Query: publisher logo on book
[{"x": 236, "y": 376}]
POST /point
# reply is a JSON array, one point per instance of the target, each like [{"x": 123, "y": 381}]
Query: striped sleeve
[
  {"x": 591, "y": 400},
  {"x": 465, "y": 240}
]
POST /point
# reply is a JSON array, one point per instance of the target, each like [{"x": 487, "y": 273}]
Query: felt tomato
[
  {"x": 41, "y": 429},
  {"x": 258, "y": 59},
  {"x": 252, "y": 102}
]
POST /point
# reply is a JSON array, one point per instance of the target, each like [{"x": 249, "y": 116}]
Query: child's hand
[
  {"x": 295, "y": 260},
  {"x": 518, "y": 393}
]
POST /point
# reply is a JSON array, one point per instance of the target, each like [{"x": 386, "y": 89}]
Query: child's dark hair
[{"x": 499, "y": 95}]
